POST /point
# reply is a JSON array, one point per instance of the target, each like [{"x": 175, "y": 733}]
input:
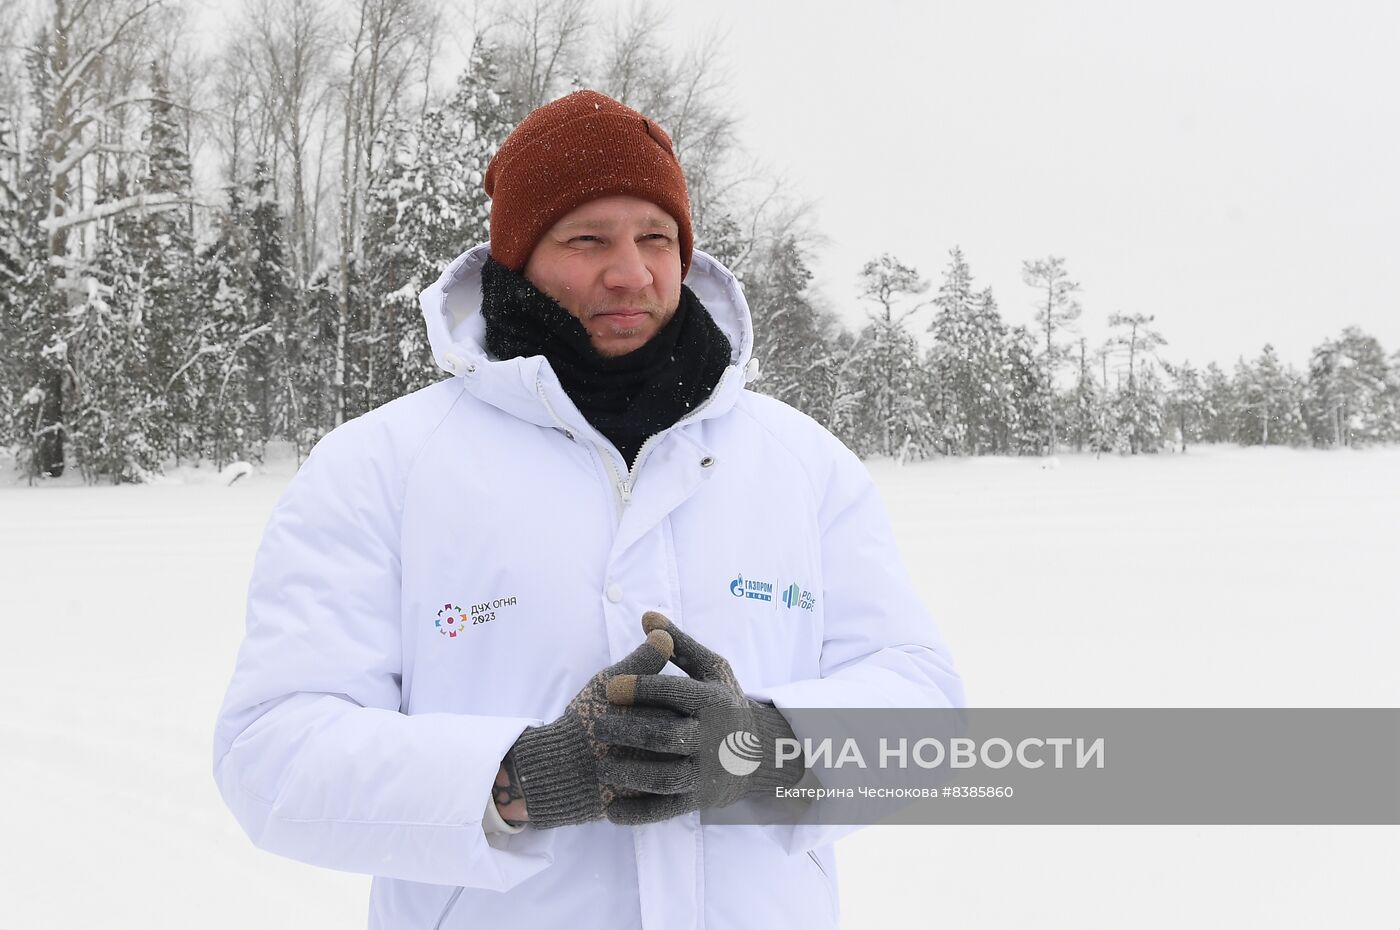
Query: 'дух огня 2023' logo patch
[{"x": 452, "y": 619}]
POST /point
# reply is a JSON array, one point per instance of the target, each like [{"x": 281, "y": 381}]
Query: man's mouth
[{"x": 624, "y": 318}]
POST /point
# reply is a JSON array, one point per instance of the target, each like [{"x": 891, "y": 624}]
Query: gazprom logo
[{"x": 756, "y": 590}]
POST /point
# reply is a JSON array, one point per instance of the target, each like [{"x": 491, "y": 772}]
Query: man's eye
[
  {"x": 658, "y": 237},
  {"x": 585, "y": 239}
]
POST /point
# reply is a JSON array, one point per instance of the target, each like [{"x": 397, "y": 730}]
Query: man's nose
[{"x": 626, "y": 268}]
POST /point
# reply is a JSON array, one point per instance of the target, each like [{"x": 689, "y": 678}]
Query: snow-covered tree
[
  {"x": 1270, "y": 399},
  {"x": 1391, "y": 399},
  {"x": 228, "y": 426},
  {"x": 682, "y": 90},
  {"x": 953, "y": 371},
  {"x": 1347, "y": 400},
  {"x": 1137, "y": 405},
  {"x": 1056, "y": 312},
  {"x": 117, "y": 423},
  {"x": 426, "y": 206},
  {"x": 1136, "y": 412},
  {"x": 883, "y": 368},
  {"x": 1186, "y": 403},
  {"x": 968, "y": 393},
  {"x": 12, "y": 268},
  {"x": 792, "y": 339},
  {"x": 271, "y": 364},
  {"x": 80, "y": 87},
  {"x": 1219, "y": 408},
  {"x": 390, "y": 38},
  {"x": 161, "y": 243},
  {"x": 1028, "y": 427},
  {"x": 1084, "y": 413}
]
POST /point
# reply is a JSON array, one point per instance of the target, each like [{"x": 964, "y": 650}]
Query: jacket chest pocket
[
  {"x": 751, "y": 591},
  {"x": 501, "y": 603}
]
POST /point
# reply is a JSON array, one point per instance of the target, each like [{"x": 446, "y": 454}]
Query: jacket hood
[{"x": 527, "y": 387}]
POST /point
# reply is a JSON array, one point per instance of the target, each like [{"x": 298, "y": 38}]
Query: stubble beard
[{"x": 596, "y": 318}]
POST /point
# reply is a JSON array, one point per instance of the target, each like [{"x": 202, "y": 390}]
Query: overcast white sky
[{"x": 1228, "y": 166}]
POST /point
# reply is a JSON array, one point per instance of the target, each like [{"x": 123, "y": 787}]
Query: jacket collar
[{"x": 527, "y": 388}]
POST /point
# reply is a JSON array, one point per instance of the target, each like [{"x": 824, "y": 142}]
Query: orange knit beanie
[{"x": 566, "y": 153}]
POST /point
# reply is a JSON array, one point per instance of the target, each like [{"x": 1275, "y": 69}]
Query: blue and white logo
[
  {"x": 796, "y": 596},
  {"x": 755, "y": 590}
]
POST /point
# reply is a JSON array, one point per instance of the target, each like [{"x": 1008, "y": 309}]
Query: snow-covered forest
[{"x": 207, "y": 250}]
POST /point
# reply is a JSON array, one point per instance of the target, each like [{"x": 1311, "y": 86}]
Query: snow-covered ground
[{"x": 1224, "y": 577}]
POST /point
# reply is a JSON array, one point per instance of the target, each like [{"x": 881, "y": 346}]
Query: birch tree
[
  {"x": 72, "y": 69},
  {"x": 542, "y": 48},
  {"x": 390, "y": 37},
  {"x": 684, "y": 90},
  {"x": 286, "y": 46}
]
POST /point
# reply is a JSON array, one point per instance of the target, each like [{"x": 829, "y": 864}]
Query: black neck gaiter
[{"x": 626, "y": 397}]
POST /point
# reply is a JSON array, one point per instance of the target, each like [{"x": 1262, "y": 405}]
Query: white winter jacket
[{"x": 452, "y": 567}]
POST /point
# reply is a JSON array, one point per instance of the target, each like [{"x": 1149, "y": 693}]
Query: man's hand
[
  {"x": 688, "y": 714},
  {"x": 556, "y": 766}
]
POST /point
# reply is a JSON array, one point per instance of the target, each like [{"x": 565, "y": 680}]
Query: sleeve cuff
[{"x": 492, "y": 822}]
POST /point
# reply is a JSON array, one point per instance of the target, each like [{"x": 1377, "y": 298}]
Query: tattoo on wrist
[{"x": 511, "y": 791}]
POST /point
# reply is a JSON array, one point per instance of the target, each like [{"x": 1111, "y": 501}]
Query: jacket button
[
  {"x": 615, "y": 593},
  {"x": 707, "y": 461}
]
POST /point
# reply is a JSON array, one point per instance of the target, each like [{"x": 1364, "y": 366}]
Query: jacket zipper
[
  {"x": 447, "y": 908},
  {"x": 622, "y": 485}
]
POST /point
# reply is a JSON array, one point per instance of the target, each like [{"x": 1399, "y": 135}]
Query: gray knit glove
[
  {"x": 558, "y": 764},
  {"x": 697, "y": 714}
]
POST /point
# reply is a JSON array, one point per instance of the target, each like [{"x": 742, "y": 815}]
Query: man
[{"x": 455, "y": 672}]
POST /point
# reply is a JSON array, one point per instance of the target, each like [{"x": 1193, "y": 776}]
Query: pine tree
[
  {"x": 1055, "y": 313},
  {"x": 1083, "y": 416},
  {"x": 1137, "y": 412},
  {"x": 1186, "y": 403},
  {"x": 1391, "y": 400},
  {"x": 272, "y": 389},
  {"x": 12, "y": 261},
  {"x": 889, "y": 378},
  {"x": 720, "y": 237},
  {"x": 992, "y": 400},
  {"x": 227, "y": 427},
  {"x": 791, "y": 338},
  {"x": 1346, "y": 391},
  {"x": 968, "y": 394},
  {"x": 160, "y": 240},
  {"x": 1027, "y": 429},
  {"x": 1138, "y": 405},
  {"x": 1219, "y": 405},
  {"x": 1270, "y": 402},
  {"x": 953, "y": 363},
  {"x": 116, "y": 423}
]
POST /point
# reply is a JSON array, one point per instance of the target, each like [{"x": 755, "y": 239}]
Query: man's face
[{"x": 615, "y": 265}]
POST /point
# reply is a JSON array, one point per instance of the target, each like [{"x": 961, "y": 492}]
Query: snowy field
[{"x": 1224, "y": 577}]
